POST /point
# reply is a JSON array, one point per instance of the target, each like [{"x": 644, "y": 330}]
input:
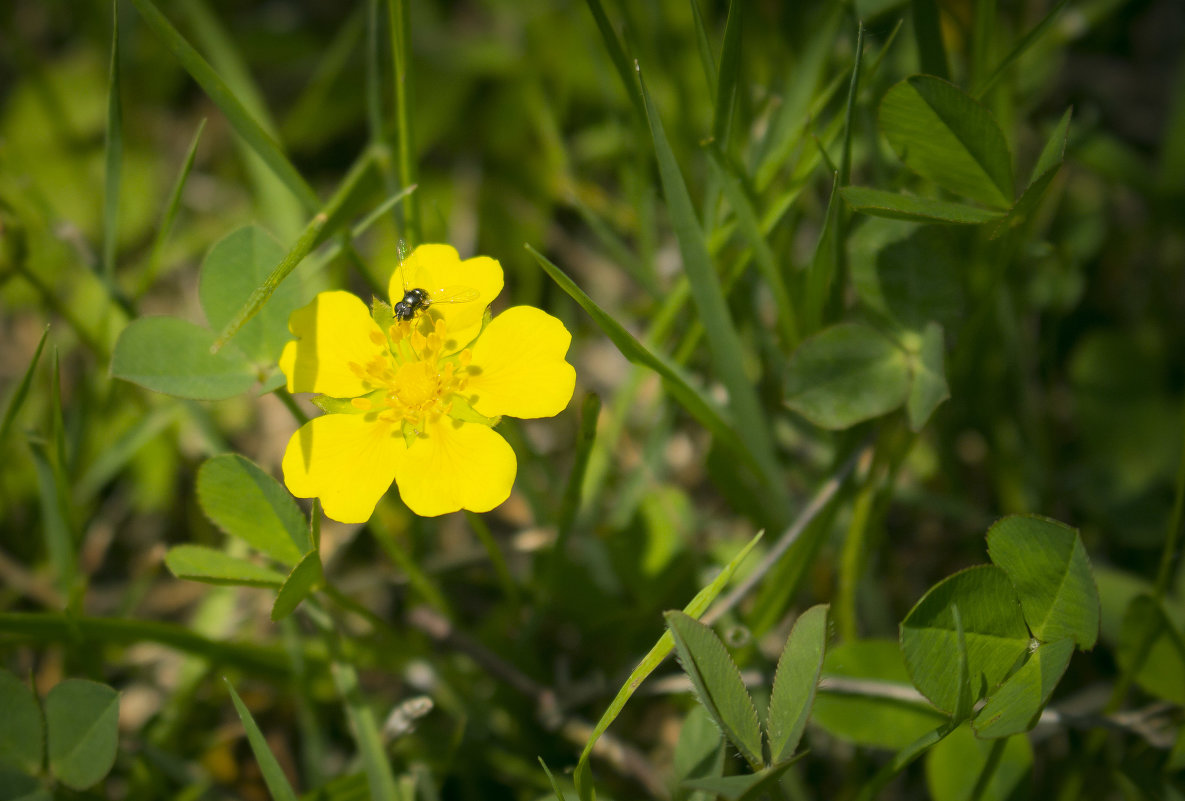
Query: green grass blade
[
  {"x": 273, "y": 774},
  {"x": 590, "y": 413},
  {"x": 981, "y": 88},
  {"x": 120, "y": 450},
  {"x": 55, "y": 520},
  {"x": 927, "y": 30},
  {"x": 750, "y": 228},
  {"x": 704, "y": 46},
  {"x": 698, "y": 605},
  {"x": 897, "y": 206},
  {"x": 723, "y": 341},
  {"x": 727, "y": 80},
  {"x": 314, "y": 234},
  {"x": 244, "y": 123},
  {"x": 617, "y": 56},
  {"x": 114, "y": 152},
  {"x": 399, "y": 20},
  {"x": 845, "y": 164},
  {"x": 170, "y": 216},
  {"x": 22, "y": 390},
  {"x": 697, "y": 404},
  {"x": 365, "y": 729},
  {"x": 41, "y": 627}
]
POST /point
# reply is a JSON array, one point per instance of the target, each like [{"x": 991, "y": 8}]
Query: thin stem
[
  {"x": 509, "y": 588},
  {"x": 789, "y": 536},
  {"x": 988, "y": 770}
]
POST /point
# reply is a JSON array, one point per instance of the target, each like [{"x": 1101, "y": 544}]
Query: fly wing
[{"x": 453, "y": 294}]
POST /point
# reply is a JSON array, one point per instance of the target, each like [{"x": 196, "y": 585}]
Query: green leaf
[
  {"x": 236, "y": 112},
  {"x": 696, "y": 402},
  {"x": 1149, "y": 633},
  {"x": 993, "y": 628},
  {"x": 20, "y": 787},
  {"x": 897, "y": 206},
  {"x": 319, "y": 227},
  {"x": 909, "y": 274},
  {"x": 233, "y": 268},
  {"x": 872, "y": 720},
  {"x": 245, "y": 502},
  {"x": 82, "y": 728},
  {"x": 846, "y": 374},
  {"x": 306, "y": 577},
  {"x": 718, "y": 684},
  {"x": 928, "y": 388},
  {"x": 173, "y": 356},
  {"x": 953, "y": 767},
  {"x": 1015, "y": 707},
  {"x": 724, "y": 343},
  {"x": 945, "y": 135},
  {"x": 695, "y": 608},
  {"x": 22, "y": 733},
  {"x": 748, "y": 787},
  {"x": 198, "y": 563},
  {"x": 1046, "y": 169},
  {"x": 795, "y": 680},
  {"x": 1048, "y": 565},
  {"x": 273, "y": 774}
]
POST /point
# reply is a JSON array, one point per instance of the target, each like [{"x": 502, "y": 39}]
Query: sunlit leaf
[
  {"x": 946, "y": 136},
  {"x": 245, "y": 502},
  {"x": 717, "y": 683},
  {"x": 1047, "y": 563},
  {"x": 993, "y": 629}
]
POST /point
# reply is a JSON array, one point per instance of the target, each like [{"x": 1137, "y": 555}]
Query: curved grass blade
[
  {"x": 703, "y": 45},
  {"x": 694, "y": 401},
  {"x": 726, "y": 81},
  {"x": 617, "y": 55},
  {"x": 723, "y": 341},
  {"x": 1024, "y": 44},
  {"x": 22, "y": 390},
  {"x": 787, "y": 320},
  {"x": 236, "y": 112},
  {"x": 273, "y": 774},
  {"x": 698, "y": 605},
  {"x": 170, "y": 215},
  {"x": 898, "y": 206}
]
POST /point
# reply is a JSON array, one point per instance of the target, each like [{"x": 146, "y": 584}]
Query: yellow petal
[
  {"x": 456, "y": 466},
  {"x": 332, "y": 332},
  {"x": 439, "y": 270},
  {"x": 520, "y": 367},
  {"x": 346, "y": 460}
]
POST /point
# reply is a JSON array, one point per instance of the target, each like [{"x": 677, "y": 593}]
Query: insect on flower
[
  {"x": 417, "y": 300},
  {"x": 413, "y": 392}
]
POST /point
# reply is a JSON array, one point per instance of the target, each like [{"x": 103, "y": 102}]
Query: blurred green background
[{"x": 1064, "y": 365}]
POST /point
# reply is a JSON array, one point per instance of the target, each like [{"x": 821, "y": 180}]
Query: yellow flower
[{"x": 415, "y": 401}]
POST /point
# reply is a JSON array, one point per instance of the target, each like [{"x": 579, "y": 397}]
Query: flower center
[
  {"x": 416, "y": 381},
  {"x": 417, "y": 385}
]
